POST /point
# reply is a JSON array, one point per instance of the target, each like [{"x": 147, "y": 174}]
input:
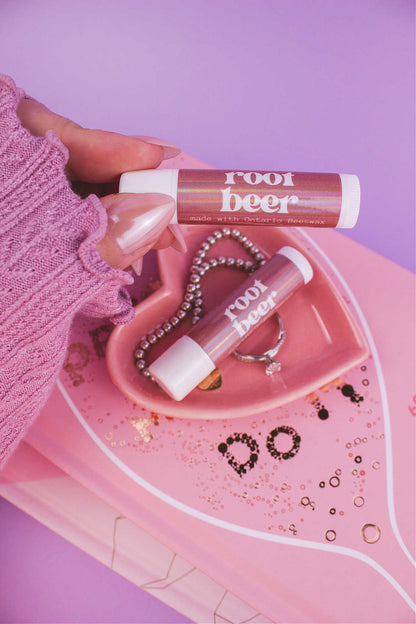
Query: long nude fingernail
[
  {"x": 169, "y": 150},
  {"x": 179, "y": 242},
  {"x": 137, "y": 266},
  {"x": 135, "y": 223}
]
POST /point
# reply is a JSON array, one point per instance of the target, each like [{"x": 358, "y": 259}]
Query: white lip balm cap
[
  {"x": 299, "y": 259},
  {"x": 181, "y": 368},
  {"x": 163, "y": 181},
  {"x": 350, "y": 204}
]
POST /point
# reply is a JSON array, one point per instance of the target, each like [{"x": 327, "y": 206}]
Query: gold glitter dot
[
  {"x": 330, "y": 535},
  {"x": 370, "y": 533}
]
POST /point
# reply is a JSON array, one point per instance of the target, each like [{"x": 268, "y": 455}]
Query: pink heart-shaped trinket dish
[{"x": 322, "y": 338}]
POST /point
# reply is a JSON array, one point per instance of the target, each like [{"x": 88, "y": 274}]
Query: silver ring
[{"x": 268, "y": 357}]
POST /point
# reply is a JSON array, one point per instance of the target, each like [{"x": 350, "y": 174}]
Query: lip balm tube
[
  {"x": 191, "y": 358},
  {"x": 220, "y": 197}
]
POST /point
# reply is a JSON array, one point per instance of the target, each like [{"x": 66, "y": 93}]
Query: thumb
[{"x": 136, "y": 224}]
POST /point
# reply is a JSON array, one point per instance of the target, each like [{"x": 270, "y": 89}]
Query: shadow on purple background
[{"x": 302, "y": 85}]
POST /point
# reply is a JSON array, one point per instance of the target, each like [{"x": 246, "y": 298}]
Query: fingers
[
  {"x": 98, "y": 156},
  {"x": 95, "y": 156},
  {"x": 38, "y": 119}
]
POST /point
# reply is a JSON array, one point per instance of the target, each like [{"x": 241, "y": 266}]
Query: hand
[{"x": 96, "y": 160}]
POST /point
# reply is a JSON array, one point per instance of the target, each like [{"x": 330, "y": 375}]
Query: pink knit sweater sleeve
[{"x": 49, "y": 268}]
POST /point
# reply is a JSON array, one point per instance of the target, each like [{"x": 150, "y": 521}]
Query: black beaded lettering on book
[
  {"x": 288, "y": 436},
  {"x": 251, "y": 444},
  {"x": 281, "y": 432}
]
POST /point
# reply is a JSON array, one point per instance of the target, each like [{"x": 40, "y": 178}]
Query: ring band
[{"x": 268, "y": 357}]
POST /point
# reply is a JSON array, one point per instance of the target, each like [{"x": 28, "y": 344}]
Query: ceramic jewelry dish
[{"x": 322, "y": 339}]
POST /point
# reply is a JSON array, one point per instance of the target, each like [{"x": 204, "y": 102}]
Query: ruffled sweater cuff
[{"x": 50, "y": 268}]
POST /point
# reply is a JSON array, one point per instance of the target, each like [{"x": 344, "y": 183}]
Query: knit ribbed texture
[{"x": 49, "y": 268}]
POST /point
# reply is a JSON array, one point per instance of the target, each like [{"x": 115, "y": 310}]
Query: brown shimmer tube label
[
  {"x": 247, "y": 307},
  {"x": 258, "y": 198}
]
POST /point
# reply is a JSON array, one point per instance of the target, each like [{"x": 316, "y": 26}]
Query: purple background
[{"x": 306, "y": 85}]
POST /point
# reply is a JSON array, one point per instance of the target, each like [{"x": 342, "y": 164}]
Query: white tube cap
[
  {"x": 150, "y": 181},
  {"x": 163, "y": 181},
  {"x": 299, "y": 259},
  {"x": 181, "y": 368},
  {"x": 350, "y": 204}
]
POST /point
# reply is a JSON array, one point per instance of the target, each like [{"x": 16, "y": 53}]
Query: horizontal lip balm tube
[
  {"x": 222, "y": 197},
  {"x": 191, "y": 358}
]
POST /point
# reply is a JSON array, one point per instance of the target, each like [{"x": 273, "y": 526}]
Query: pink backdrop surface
[{"x": 279, "y": 84}]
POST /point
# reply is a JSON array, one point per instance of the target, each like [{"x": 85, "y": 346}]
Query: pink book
[{"x": 287, "y": 497}]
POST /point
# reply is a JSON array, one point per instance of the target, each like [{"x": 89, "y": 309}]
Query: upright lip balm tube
[
  {"x": 253, "y": 197},
  {"x": 191, "y": 358}
]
